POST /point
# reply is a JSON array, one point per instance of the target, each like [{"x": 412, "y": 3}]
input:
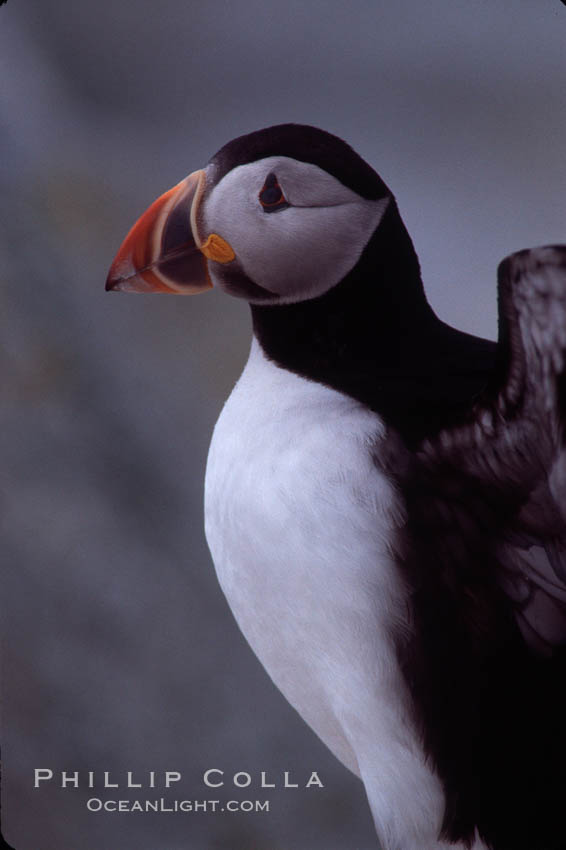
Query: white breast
[{"x": 299, "y": 520}]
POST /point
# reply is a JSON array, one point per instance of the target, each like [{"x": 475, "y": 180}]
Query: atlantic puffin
[{"x": 385, "y": 495}]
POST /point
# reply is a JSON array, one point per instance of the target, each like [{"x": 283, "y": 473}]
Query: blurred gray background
[{"x": 119, "y": 652}]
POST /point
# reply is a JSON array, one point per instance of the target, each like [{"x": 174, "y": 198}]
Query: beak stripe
[
  {"x": 195, "y": 206},
  {"x": 177, "y": 229}
]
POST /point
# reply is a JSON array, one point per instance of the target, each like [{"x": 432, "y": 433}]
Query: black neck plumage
[{"x": 375, "y": 338}]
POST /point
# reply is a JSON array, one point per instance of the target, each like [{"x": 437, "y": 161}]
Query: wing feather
[{"x": 511, "y": 451}]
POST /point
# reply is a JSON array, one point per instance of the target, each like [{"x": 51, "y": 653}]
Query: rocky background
[{"x": 119, "y": 652}]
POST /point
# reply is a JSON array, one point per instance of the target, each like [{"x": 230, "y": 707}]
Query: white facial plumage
[{"x": 298, "y": 252}]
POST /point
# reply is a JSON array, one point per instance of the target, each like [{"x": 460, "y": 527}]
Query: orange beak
[{"x": 163, "y": 251}]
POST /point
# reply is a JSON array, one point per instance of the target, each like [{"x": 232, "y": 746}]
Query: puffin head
[
  {"x": 278, "y": 216},
  {"x": 295, "y": 222}
]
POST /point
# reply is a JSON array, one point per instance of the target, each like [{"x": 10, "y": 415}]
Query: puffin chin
[{"x": 234, "y": 281}]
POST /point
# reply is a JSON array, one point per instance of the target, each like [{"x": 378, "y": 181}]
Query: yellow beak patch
[{"x": 216, "y": 248}]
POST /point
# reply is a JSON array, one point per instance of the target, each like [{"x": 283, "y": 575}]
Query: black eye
[{"x": 271, "y": 196}]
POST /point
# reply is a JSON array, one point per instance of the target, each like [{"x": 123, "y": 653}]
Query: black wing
[
  {"x": 484, "y": 558},
  {"x": 512, "y": 450}
]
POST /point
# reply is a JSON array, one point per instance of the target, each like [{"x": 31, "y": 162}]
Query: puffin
[{"x": 385, "y": 495}]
